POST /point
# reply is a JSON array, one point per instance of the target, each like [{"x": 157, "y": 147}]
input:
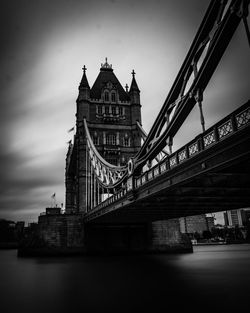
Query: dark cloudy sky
[{"x": 44, "y": 45}]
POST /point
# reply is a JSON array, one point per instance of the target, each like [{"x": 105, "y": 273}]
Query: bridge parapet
[{"x": 221, "y": 130}]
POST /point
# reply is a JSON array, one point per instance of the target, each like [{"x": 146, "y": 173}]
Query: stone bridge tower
[{"x": 112, "y": 113}]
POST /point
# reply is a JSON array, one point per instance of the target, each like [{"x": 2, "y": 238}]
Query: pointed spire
[
  {"x": 84, "y": 82},
  {"x": 84, "y": 89},
  {"x": 134, "y": 86}
]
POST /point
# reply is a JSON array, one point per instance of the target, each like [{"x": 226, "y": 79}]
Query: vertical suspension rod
[
  {"x": 199, "y": 99},
  {"x": 91, "y": 186},
  {"x": 86, "y": 177}
]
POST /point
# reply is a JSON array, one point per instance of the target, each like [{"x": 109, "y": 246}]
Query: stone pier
[
  {"x": 156, "y": 237},
  {"x": 63, "y": 234}
]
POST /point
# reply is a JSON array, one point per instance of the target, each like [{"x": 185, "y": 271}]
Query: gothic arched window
[
  {"x": 126, "y": 140},
  {"x": 120, "y": 111},
  {"x": 113, "y": 110},
  {"x": 95, "y": 138},
  {"x": 107, "y": 110},
  {"x": 113, "y": 97},
  {"x": 99, "y": 109},
  {"x": 111, "y": 140},
  {"x": 96, "y": 141},
  {"x": 106, "y": 96}
]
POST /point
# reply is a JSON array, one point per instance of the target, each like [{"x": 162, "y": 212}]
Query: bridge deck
[{"x": 215, "y": 179}]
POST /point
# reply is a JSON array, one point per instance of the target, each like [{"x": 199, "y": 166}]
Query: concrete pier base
[
  {"x": 156, "y": 237},
  {"x": 67, "y": 234},
  {"x": 55, "y": 234},
  {"x": 167, "y": 237}
]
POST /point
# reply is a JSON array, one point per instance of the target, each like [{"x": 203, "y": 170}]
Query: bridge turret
[
  {"x": 83, "y": 97},
  {"x": 134, "y": 91},
  {"x": 134, "y": 94}
]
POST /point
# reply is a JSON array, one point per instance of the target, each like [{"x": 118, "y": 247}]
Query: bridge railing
[
  {"x": 230, "y": 124},
  {"x": 218, "y": 132}
]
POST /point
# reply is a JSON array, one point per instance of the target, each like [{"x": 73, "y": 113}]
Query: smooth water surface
[{"x": 213, "y": 278}]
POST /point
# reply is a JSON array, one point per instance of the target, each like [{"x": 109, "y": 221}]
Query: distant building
[
  {"x": 196, "y": 223},
  {"x": 54, "y": 211},
  {"x": 210, "y": 221},
  {"x": 7, "y": 231},
  {"x": 246, "y": 219},
  {"x": 237, "y": 217},
  {"x": 20, "y": 227}
]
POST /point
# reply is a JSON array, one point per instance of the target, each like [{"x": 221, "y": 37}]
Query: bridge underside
[{"x": 217, "y": 179}]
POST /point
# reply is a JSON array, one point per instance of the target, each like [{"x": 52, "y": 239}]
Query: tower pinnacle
[
  {"x": 106, "y": 65},
  {"x": 84, "y": 82},
  {"x": 134, "y": 91},
  {"x": 134, "y": 86},
  {"x": 84, "y": 69}
]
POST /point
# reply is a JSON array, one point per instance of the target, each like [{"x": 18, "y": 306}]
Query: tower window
[
  {"x": 95, "y": 138},
  {"x": 126, "y": 142},
  {"x": 96, "y": 141},
  {"x": 99, "y": 109},
  {"x": 106, "y": 110},
  {"x": 123, "y": 161},
  {"x": 113, "y": 97},
  {"x": 111, "y": 140},
  {"x": 106, "y": 96},
  {"x": 120, "y": 111}
]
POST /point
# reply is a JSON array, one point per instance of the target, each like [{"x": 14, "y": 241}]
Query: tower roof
[
  {"x": 84, "y": 81},
  {"x": 134, "y": 86},
  {"x": 107, "y": 75}
]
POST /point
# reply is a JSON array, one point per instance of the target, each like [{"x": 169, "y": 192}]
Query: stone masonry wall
[
  {"x": 61, "y": 231},
  {"x": 166, "y": 237},
  {"x": 192, "y": 224}
]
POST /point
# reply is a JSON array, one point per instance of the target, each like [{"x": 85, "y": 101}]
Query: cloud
[{"x": 26, "y": 183}]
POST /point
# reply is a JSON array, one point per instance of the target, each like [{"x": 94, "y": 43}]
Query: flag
[
  {"x": 53, "y": 196},
  {"x": 71, "y": 129}
]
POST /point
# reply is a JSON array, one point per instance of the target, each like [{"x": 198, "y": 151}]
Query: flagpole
[{"x": 53, "y": 197}]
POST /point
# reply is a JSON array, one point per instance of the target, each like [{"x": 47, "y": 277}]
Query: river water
[{"x": 213, "y": 278}]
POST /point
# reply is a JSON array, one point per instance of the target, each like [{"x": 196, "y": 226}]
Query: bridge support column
[
  {"x": 115, "y": 239},
  {"x": 165, "y": 236},
  {"x": 156, "y": 237}
]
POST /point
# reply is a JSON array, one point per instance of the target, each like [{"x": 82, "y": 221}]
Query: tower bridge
[{"x": 126, "y": 189}]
